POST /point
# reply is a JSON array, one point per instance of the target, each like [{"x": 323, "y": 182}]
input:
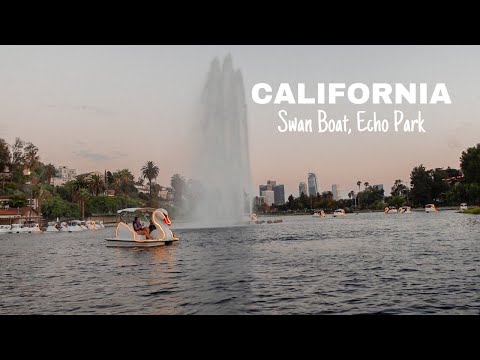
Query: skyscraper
[
  {"x": 279, "y": 192},
  {"x": 262, "y": 188},
  {"x": 335, "y": 191},
  {"x": 312, "y": 184},
  {"x": 269, "y": 197},
  {"x": 302, "y": 187}
]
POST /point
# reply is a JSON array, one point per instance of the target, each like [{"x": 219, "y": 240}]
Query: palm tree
[
  {"x": 42, "y": 195},
  {"x": 150, "y": 171},
  {"x": 50, "y": 171},
  {"x": 96, "y": 184},
  {"x": 122, "y": 180},
  {"x": 140, "y": 181},
  {"x": 351, "y": 195},
  {"x": 83, "y": 195},
  {"x": 358, "y": 184},
  {"x": 366, "y": 184},
  {"x": 31, "y": 157},
  {"x": 79, "y": 189}
]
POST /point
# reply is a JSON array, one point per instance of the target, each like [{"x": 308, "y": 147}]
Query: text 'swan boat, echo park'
[{"x": 156, "y": 219}]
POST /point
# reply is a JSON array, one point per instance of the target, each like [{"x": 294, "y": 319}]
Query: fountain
[{"x": 221, "y": 160}]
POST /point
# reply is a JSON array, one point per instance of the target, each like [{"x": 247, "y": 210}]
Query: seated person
[
  {"x": 139, "y": 229},
  {"x": 152, "y": 226}
]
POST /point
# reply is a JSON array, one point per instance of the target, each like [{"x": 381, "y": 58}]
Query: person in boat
[
  {"x": 139, "y": 229},
  {"x": 151, "y": 227}
]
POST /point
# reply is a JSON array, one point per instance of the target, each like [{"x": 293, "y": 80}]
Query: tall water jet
[{"x": 222, "y": 162}]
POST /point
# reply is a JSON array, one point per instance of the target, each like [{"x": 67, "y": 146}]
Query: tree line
[
  {"x": 24, "y": 177},
  {"x": 439, "y": 186}
]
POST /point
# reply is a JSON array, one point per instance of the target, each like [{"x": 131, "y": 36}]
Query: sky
[{"x": 112, "y": 107}]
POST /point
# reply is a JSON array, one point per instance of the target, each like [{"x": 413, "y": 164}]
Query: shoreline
[{"x": 310, "y": 212}]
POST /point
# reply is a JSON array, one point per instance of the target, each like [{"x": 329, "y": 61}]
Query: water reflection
[{"x": 367, "y": 263}]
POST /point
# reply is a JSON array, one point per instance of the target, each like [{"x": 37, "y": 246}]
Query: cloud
[{"x": 88, "y": 155}]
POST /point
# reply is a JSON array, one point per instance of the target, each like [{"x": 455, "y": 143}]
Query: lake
[{"x": 367, "y": 263}]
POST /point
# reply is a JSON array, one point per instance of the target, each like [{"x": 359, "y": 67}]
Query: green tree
[
  {"x": 101, "y": 205},
  {"x": 16, "y": 153},
  {"x": 17, "y": 200},
  {"x": 82, "y": 196},
  {"x": 124, "y": 181},
  {"x": 291, "y": 202},
  {"x": 369, "y": 196},
  {"x": 421, "y": 182},
  {"x": 96, "y": 185},
  {"x": 50, "y": 172},
  {"x": 439, "y": 185},
  {"x": 396, "y": 201},
  {"x": 357, "y": 199},
  {"x": 42, "y": 194},
  {"x": 398, "y": 188},
  {"x": 54, "y": 207},
  {"x": 4, "y": 155},
  {"x": 150, "y": 171},
  {"x": 470, "y": 164},
  {"x": 30, "y": 156}
]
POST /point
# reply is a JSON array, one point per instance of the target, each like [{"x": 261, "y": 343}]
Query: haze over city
[{"x": 112, "y": 107}]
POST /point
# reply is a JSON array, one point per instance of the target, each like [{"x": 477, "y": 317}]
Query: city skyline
[{"x": 82, "y": 105}]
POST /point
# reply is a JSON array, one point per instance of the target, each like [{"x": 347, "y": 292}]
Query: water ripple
[{"x": 361, "y": 264}]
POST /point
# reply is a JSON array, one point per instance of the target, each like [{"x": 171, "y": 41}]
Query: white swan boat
[
  {"x": 126, "y": 236},
  {"x": 430, "y": 208},
  {"x": 52, "y": 227},
  {"x": 463, "y": 206},
  {"x": 19, "y": 229},
  {"x": 320, "y": 213},
  {"x": 90, "y": 224},
  {"x": 74, "y": 226},
  {"x": 4, "y": 229},
  {"x": 391, "y": 210},
  {"x": 339, "y": 212},
  {"x": 405, "y": 210},
  {"x": 63, "y": 226},
  {"x": 33, "y": 228}
]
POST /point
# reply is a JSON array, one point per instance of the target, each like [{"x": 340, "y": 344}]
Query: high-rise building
[
  {"x": 278, "y": 190},
  {"x": 279, "y": 193},
  {"x": 269, "y": 197},
  {"x": 262, "y": 188},
  {"x": 335, "y": 189},
  {"x": 302, "y": 187},
  {"x": 259, "y": 200},
  {"x": 312, "y": 184}
]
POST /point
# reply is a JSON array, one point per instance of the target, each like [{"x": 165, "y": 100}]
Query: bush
[{"x": 475, "y": 211}]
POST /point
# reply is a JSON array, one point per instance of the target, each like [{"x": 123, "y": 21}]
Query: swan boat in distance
[
  {"x": 52, "y": 227},
  {"x": 463, "y": 206},
  {"x": 339, "y": 212},
  {"x": 157, "y": 219},
  {"x": 320, "y": 214},
  {"x": 430, "y": 208},
  {"x": 391, "y": 210}
]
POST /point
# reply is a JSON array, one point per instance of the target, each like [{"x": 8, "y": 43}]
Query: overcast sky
[{"x": 112, "y": 107}]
